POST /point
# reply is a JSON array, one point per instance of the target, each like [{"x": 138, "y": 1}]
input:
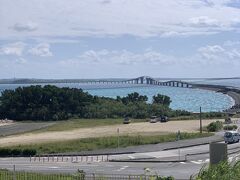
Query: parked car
[
  {"x": 126, "y": 120},
  {"x": 153, "y": 119},
  {"x": 164, "y": 119},
  {"x": 231, "y": 137},
  {"x": 228, "y": 120}
]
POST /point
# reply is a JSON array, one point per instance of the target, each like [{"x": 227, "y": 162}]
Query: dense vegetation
[
  {"x": 223, "y": 171},
  {"x": 53, "y": 103},
  {"x": 6, "y": 152}
]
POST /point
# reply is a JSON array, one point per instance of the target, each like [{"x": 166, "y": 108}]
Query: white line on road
[
  {"x": 53, "y": 167},
  {"x": 196, "y": 162},
  {"x": 122, "y": 168},
  {"x": 207, "y": 160},
  {"x": 131, "y": 157}
]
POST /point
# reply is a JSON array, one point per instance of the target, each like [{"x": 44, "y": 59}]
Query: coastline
[{"x": 231, "y": 92}]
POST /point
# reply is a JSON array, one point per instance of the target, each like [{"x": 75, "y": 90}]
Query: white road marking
[
  {"x": 131, "y": 157},
  {"x": 196, "y": 162},
  {"x": 122, "y": 168},
  {"x": 183, "y": 163},
  {"x": 207, "y": 160},
  {"x": 53, "y": 167}
]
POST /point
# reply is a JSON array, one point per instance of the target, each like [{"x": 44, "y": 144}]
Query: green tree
[{"x": 161, "y": 99}]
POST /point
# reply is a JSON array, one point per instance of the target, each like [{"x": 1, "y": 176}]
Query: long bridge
[{"x": 144, "y": 80}]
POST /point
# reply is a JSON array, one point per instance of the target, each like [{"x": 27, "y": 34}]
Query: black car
[{"x": 164, "y": 119}]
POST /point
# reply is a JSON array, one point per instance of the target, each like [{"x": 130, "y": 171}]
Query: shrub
[
  {"x": 29, "y": 152},
  {"x": 223, "y": 171},
  {"x": 215, "y": 126},
  {"x": 164, "y": 178},
  {"x": 230, "y": 127},
  {"x": 5, "y": 152},
  {"x": 16, "y": 152}
]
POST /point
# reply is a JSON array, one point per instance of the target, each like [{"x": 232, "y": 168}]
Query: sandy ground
[{"x": 135, "y": 128}]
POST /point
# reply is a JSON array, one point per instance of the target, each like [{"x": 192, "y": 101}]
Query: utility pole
[{"x": 200, "y": 116}]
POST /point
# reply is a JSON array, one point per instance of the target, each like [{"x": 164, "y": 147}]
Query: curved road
[{"x": 198, "y": 158}]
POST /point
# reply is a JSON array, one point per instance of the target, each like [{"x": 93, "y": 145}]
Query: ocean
[{"x": 182, "y": 98}]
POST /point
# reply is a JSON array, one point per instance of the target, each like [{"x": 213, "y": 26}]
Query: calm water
[
  {"x": 225, "y": 82},
  {"x": 182, "y": 98}
]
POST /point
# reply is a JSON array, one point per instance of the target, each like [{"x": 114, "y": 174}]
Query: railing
[{"x": 61, "y": 158}]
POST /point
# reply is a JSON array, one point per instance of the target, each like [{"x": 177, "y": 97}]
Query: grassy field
[
  {"x": 80, "y": 175},
  {"x": 84, "y": 123},
  {"x": 104, "y": 142},
  {"x": 8, "y": 175}
]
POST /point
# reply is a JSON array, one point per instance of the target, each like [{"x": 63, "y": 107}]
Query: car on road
[
  {"x": 126, "y": 120},
  {"x": 154, "y": 119},
  {"x": 231, "y": 137},
  {"x": 163, "y": 119}
]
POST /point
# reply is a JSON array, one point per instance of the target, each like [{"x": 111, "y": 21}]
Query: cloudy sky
[{"x": 119, "y": 38}]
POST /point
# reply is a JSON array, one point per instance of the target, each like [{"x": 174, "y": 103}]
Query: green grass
[
  {"x": 8, "y": 175},
  {"x": 104, "y": 142},
  {"x": 222, "y": 171},
  {"x": 80, "y": 175}
]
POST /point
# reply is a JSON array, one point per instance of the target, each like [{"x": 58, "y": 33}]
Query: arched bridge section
[
  {"x": 151, "y": 81},
  {"x": 144, "y": 80}
]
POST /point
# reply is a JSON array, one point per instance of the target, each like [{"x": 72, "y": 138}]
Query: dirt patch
[
  {"x": 4, "y": 122},
  {"x": 131, "y": 129}
]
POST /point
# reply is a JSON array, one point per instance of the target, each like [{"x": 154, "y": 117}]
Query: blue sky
[{"x": 119, "y": 38}]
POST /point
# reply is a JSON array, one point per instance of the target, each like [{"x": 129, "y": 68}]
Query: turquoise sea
[{"x": 182, "y": 98}]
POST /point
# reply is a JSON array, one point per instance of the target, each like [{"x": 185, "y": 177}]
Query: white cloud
[
  {"x": 21, "y": 61},
  {"x": 231, "y": 43},
  {"x": 204, "y": 21},
  {"x": 42, "y": 49},
  {"x": 122, "y": 57},
  {"x": 13, "y": 49},
  {"x": 24, "y": 27},
  {"x": 100, "y": 18},
  {"x": 211, "y": 52},
  {"x": 205, "y": 56},
  {"x": 220, "y": 54}
]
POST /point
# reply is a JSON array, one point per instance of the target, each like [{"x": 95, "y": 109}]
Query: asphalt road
[{"x": 197, "y": 158}]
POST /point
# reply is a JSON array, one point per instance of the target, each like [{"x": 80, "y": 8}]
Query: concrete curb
[
  {"x": 149, "y": 161},
  {"x": 197, "y": 144}
]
